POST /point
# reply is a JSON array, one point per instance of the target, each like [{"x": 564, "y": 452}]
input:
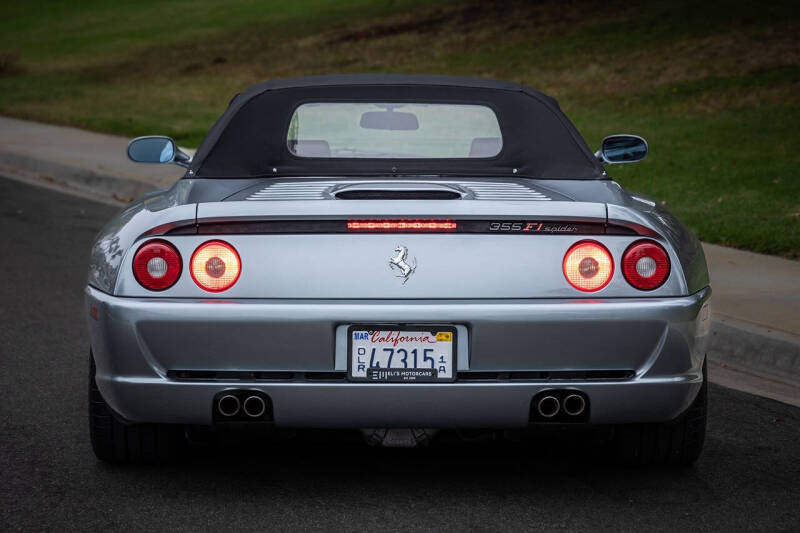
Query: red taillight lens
[
  {"x": 401, "y": 225},
  {"x": 645, "y": 264},
  {"x": 588, "y": 266},
  {"x": 157, "y": 265},
  {"x": 215, "y": 266}
]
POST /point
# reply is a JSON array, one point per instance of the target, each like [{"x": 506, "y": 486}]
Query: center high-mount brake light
[
  {"x": 215, "y": 266},
  {"x": 401, "y": 225},
  {"x": 157, "y": 265},
  {"x": 588, "y": 266}
]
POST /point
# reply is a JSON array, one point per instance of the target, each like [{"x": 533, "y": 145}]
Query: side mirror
[
  {"x": 622, "y": 149},
  {"x": 156, "y": 149}
]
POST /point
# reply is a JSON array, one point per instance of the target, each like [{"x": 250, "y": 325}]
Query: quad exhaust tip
[
  {"x": 229, "y": 405},
  {"x": 254, "y": 406},
  {"x": 548, "y": 406},
  {"x": 574, "y": 405}
]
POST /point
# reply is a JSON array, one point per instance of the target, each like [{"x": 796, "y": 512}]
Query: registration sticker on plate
[{"x": 406, "y": 354}]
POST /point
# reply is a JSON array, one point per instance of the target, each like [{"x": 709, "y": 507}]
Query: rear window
[{"x": 394, "y": 130}]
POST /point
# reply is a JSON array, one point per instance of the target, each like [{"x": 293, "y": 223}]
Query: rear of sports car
[
  {"x": 295, "y": 307},
  {"x": 454, "y": 290}
]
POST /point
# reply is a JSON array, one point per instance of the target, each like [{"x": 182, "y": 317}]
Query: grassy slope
[{"x": 714, "y": 86}]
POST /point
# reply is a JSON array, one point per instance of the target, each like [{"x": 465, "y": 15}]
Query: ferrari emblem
[{"x": 398, "y": 263}]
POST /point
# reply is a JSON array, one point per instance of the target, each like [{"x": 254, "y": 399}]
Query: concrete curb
[
  {"x": 118, "y": 190},
  {"x": 755, "y": 349}
]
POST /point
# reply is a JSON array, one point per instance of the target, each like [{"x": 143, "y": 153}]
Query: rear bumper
[
  {"x": 137, "y": 342},
  {"x": 315, "y": 405}
]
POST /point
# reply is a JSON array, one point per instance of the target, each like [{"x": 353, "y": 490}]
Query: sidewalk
[
  {"x": 756, "y": 322},
  {"x": 90, "y": 164},
  {"x": 759, "y": 289},
  {"x": 756, "y": 326}
]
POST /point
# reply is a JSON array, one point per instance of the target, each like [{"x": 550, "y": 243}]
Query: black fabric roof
[{"x": 249, "y": 139}]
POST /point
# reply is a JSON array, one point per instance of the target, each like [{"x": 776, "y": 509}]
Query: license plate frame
[{"x": 432, "y": 328}]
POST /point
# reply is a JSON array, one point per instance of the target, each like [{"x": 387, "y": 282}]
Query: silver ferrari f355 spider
[{"x": 400, "y": 255}]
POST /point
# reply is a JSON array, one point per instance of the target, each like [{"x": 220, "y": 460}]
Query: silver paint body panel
[
  {"x": 357, "y": 266},
  {"x": 136, "y": 341}
]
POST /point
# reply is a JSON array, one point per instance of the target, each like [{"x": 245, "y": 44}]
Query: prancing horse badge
[{"x": 399, "y": 263}]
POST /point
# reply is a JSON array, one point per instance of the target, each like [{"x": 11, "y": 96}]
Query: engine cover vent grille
[
  {"x": 499, "y": 190},
  {"x": 472, "y": 190},
  {"x": 295, "y": 190}
]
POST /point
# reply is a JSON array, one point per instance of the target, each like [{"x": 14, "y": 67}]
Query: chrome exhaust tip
[
  {"x": 254, "y": 406},
  {"x": 548, "y": 406},
  {"x": 228, "y": 405},
  {"x": 574, "y": 404}
]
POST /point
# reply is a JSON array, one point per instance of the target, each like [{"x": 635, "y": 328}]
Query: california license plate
[{"x": 407, "y": 354}]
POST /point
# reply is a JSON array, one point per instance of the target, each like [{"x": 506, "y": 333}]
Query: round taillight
[
  {"x": 215, "y": 266},
  {"x": 157, "y": 265},
  {"x": 588, "y": 266},
  {"x": 645, "y": 264}
]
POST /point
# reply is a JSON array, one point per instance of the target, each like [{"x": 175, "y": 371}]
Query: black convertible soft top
[{"x": 249, "y": 139}]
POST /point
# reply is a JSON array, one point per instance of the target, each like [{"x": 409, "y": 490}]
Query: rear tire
[
  {"x": 678, "y": 442},
  {"x": 114, "y": 441}
]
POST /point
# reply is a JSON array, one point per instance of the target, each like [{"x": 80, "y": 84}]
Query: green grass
[{"x": 714, "y": 86}]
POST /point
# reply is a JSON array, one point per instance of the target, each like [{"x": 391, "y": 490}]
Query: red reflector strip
[{"x": 401, "y": 225}]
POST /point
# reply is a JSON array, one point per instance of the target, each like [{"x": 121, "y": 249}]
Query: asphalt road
[{"x": 747, "y": 479}]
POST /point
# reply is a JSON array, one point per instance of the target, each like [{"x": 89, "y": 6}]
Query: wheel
[
  {"x": 114, "y": 441},
  {"x": 678, "y": 442}
]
